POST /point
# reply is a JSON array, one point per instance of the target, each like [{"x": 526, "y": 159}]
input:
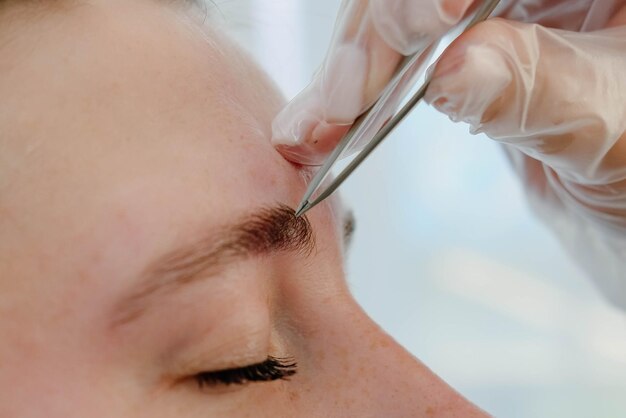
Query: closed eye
[{"x": 271, "y": 369}]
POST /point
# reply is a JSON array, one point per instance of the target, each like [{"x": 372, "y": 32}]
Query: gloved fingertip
[
  {"x": 452, "y": 11},
  {"x": 469, "y": 80},
  {"x": 301, "y": 153},
  {"x": 325, "y": 136},
  {"x": 448, "y": 63},
  {"x": 315, "y": 147},
  {"x": 295, "y": 122}
]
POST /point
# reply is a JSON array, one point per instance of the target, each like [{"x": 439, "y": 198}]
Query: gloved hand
[
  {"x": 369, "y": 40},
  {"x": 555, "y": 97},
  {"x": 557, "y": 100}
]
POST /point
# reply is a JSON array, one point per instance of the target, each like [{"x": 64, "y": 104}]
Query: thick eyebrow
[{"x": 267, "y": 230}]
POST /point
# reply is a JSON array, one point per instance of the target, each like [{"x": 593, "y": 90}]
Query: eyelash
[{"x": 271, "y": 369}]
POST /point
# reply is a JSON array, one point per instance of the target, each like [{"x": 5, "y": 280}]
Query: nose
[{"x": 365, "y": 373}]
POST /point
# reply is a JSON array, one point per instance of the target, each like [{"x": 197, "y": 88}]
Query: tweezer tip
[{"x": 302, "y": 208}]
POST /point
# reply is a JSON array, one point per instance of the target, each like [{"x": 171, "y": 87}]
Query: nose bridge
[{"x": 375, "y": 377}]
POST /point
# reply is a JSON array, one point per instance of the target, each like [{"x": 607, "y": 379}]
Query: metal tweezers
[{"x": 374, "y": 123}]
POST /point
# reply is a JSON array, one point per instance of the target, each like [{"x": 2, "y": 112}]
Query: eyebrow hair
[
  {"x": 266, "y": 231},
  {"x": 349, "y": 226}
]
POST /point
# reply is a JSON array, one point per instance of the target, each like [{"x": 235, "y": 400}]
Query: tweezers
[{"x": 373, "y": 122}]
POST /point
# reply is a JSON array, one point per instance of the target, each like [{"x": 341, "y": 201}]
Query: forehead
[
  {"x": 132, "y": 110},
  {"x": 127, "y": 70}
]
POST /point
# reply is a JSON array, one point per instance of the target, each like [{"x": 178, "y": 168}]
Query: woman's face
[{"x": 149, "y": 264}]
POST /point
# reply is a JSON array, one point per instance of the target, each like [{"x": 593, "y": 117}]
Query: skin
[{"x": 128, "y": 129}]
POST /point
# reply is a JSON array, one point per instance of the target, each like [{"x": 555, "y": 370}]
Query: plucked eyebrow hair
[{"x": 266, "y": 231}]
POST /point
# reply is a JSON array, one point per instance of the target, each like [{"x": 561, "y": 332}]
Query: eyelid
[
  {"x": 225, "y": 329},
  {"x": 229, "y": 356}
]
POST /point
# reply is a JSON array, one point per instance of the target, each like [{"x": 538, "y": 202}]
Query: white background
[{"x": 447, "y": 257}]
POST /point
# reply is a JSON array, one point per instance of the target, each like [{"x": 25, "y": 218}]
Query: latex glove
[
  {"x": 557, "y": 100},
  {"x": 369, "y": 41}
]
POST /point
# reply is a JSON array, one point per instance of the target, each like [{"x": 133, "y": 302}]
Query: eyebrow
[{"x": 268, "y": 230}]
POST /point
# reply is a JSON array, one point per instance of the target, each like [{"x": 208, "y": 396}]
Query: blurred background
[{"x": 447, "y": 257}]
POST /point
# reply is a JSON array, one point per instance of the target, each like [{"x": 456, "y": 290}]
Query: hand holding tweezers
[{"x": 372, "y": 123}]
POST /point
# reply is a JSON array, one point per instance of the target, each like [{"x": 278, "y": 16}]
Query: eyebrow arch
[{"x": 268, "y": 230}]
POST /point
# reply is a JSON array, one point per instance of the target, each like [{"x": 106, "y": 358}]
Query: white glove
[
  {"x": 556, "y": 98},
  {"x": 369, "y": 40}
]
